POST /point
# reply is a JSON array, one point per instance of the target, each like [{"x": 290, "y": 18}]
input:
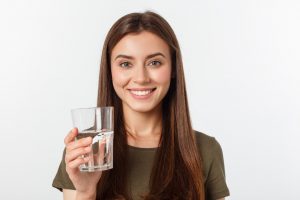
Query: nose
[{"x": 141, "y": 75}]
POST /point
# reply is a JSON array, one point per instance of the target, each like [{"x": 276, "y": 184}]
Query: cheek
[
  {"x": 119, "y": 79},
  {"x": 163, "y": 75}
]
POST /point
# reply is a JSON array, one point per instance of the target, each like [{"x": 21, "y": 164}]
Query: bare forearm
[
  {"x": 85, "y": 196},
  {"x": 75, "y": 195}
]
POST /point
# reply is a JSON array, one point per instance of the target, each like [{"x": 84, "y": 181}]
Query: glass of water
[{"x": 98, "y": 123}]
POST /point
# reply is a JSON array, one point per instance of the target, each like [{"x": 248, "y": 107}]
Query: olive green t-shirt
[{"x": 141, "y": 162}]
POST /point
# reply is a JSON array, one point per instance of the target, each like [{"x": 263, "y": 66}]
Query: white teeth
[{"x": 140, "y": 93}]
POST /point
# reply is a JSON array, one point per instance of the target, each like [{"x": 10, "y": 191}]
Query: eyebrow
[{"x": 149, "y": 56}]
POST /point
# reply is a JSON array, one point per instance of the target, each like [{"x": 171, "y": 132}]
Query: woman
[{"x": 157, "y": 155}]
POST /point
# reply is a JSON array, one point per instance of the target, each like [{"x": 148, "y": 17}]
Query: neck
[{"x": 143, "y": 128}]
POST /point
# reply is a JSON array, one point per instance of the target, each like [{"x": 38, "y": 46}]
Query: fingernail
[{"x": 74, "y": 129}]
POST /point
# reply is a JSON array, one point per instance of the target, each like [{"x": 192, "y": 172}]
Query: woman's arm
[
  {"x": 85, "y": 183},
  {"x": 69, "y": 194},
  {"x": 73, "y": 195},
  {"x": 221, "y": 199}
]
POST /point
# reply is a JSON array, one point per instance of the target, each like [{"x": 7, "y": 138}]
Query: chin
[{"x": 142, "y": 108}]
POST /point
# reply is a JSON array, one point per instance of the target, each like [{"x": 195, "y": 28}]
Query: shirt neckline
[{"x": 142, "y": 148}]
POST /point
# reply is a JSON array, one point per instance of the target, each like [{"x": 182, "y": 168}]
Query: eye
[
  {"x": 155, "y": 63},
  {"x": 125, "y": 64}
]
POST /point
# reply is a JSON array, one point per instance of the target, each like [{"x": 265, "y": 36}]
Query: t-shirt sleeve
[
  {"x": 61, "y": 179},
  {"x": 216, "y": 186}
]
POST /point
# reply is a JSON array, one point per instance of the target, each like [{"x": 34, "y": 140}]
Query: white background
[{"x": 242, "y": 67}]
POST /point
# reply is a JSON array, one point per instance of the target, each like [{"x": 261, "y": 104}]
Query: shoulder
[
  {"x": 205, "y": 142},
  {"x": 202, "y": 137},
  {"x": 213, "y": 168},
  {"x": 210, "y": 151}
]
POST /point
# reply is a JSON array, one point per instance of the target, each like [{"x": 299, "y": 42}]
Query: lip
[
  {"x": 141, "y": 89},
  {"x": 141, "y": 97}
]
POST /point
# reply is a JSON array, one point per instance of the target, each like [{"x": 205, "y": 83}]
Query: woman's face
[{"x": 141, "y": 71}]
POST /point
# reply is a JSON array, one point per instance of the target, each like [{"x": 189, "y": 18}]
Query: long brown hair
[{"x": 177, "y": 171}]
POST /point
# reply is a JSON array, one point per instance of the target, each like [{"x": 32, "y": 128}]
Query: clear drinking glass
[{"x": 96, "y": 122}]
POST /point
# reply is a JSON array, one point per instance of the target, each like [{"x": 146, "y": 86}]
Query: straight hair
[{"x": 177, "y": 169}]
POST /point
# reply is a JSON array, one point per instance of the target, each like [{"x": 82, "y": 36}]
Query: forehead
[{"x": 140, "y": 45}]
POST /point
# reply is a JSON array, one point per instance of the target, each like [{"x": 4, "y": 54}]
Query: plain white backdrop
[{"x": 242, "y": 68}]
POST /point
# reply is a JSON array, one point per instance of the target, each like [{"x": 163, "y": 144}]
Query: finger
[
  {"x": 84, "y": 142},
  {"x": 102, "y": 151},
  {"x": 109, "y": 153},
  {"x": 71, "y": 136},
  {"x": 72, "y": 155},
  {"x": 77, "y": 162}
]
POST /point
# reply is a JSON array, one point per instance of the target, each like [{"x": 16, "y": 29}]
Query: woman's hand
[{"x": 84, "y": 182}]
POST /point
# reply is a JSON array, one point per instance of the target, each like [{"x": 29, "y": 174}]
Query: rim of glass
[{"x": 92, "y": 108}]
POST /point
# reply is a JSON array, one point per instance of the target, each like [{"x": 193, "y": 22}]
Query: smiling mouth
[{"x": 141, "y": 92}]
